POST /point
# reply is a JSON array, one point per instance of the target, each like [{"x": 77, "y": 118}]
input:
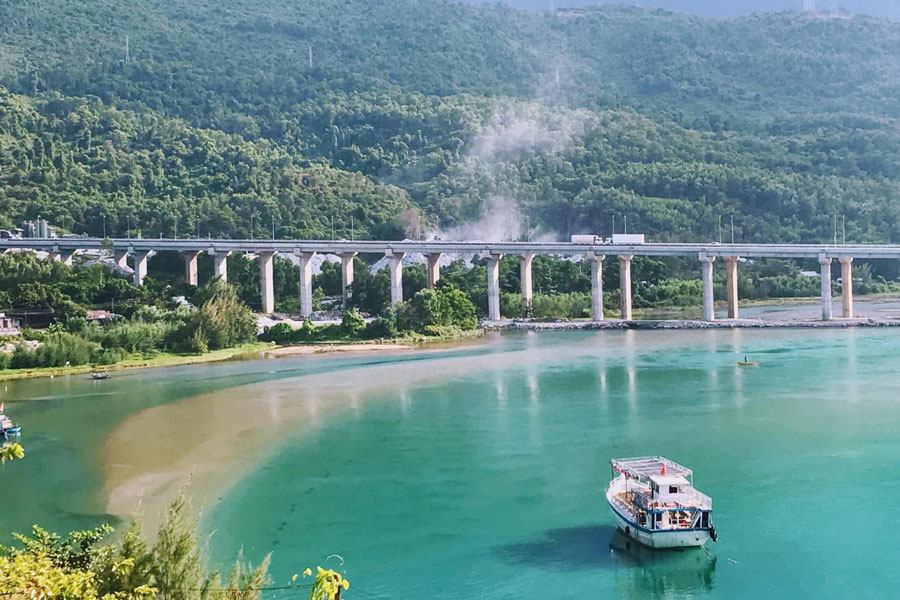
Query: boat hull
[{"x": 662, "y": 538}]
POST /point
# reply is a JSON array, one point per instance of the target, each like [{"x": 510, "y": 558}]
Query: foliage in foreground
[
  {"x": 10, "y": 452},
  {"x": 81, "y": 567}
]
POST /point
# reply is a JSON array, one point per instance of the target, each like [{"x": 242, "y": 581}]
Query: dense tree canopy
[{"x": 382, "y": 118}]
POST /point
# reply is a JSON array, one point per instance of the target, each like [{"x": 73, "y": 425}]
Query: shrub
[
  {"x": 384, "y": 327},
  {"x": 352, "y": 323}
]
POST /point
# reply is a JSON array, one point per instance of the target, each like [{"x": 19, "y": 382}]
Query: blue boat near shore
[{"x": 8, "y": 429}]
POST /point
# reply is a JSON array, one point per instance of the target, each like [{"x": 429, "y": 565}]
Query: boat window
[{"x": 673, "y": 489}]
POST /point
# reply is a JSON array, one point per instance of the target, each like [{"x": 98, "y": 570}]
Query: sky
[{"x": 724, "y": 8}]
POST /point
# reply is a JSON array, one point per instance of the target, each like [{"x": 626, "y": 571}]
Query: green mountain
[{"x": 434, "y": 115}]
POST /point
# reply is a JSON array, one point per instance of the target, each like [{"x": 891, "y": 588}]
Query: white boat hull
[{"x": 663, "y": 538}]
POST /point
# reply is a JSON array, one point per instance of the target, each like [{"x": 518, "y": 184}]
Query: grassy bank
[{"x": 163, "y": 359}]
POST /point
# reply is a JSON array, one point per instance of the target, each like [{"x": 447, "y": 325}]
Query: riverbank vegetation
[
  {"x": 147, "y": 323},
  {"x": 96, "y": 564},
  {"x": 93, "y": 565}
]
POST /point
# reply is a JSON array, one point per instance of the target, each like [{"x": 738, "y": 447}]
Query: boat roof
[
  {"x": 649, "y": 466},
  {"x": 669, "y": 479}
]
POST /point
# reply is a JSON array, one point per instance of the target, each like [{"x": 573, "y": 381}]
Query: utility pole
[
  {"x": 251, "y": 227},
  {"x": 127, "y": 50},
  {"x": 273, "y": 227},
  {"x": 129, "y": 225},
  {"x": 625, "y": 218},
  {"x": 352, "y": 231},
  {"x": 310, "y": 56},
  {"x": 332, "y": 228},
  {"x": 835, "y": 230},
  {"x": 104, "y": 227},
  {"x": 720, "y": 229},
  {"x": 732, "y": 230},
  {"x": 614, "y": 225},
  {"x": 843, "y": 231}
]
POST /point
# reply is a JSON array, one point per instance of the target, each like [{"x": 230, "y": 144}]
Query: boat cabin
[{"x": 669, "y": 488}]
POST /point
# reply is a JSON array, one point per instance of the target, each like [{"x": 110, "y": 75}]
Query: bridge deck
[{"x": 429, "y": 247}]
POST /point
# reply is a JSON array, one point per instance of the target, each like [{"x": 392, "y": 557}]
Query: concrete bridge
[{"x": 706, "y": 254}]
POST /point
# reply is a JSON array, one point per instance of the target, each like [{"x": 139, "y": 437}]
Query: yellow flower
[
  {"x": 308, "y": 571},
  {"x": 346, "y": 584}
]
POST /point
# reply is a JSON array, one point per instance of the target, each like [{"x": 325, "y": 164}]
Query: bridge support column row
[
  {"x": 220, "y": 265},
  {"x": 825, "y": 264},
  {"x": 493, "y": 286},
  {"x": 395, "y": 269},
  {"x": 190, "y": 267},
  {"x": 847, "y": 286},
  {"x": 525, "y": 263},
  {"x": 596, "y": 261},
  {"x": 306, "y": 297},
  {"x": 709, "y": 305},
  {"x": 266, "y": 282},
  {"x": 121, "y": 258},
  {"x": 433, "y": 269},
  {"x": 625, "y": 286},
  {"x": 731, "y": 285},
  {"x": 346, "y": 277},
  {"x": 140, "y": 266}
]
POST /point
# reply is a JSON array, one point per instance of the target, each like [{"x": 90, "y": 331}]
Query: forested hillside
[{"x": 410, "y": 116}]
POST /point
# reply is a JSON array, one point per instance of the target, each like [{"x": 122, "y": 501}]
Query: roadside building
[{"x": 10, "y": 325}]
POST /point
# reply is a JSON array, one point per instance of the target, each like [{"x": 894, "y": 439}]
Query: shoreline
[
  {"x": 252, "y": 351},
  {"x": 687, "y": 324}
]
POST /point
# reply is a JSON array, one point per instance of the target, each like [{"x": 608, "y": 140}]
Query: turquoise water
[{"x": 480, "y": 473}]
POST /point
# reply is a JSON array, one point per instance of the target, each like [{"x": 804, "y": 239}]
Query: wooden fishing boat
[
  {"x": 748, "y": 363},
  {"x": 654, "y": 502}
]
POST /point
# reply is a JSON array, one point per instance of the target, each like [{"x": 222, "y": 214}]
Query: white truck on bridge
[{"x": 624, "y": 239}]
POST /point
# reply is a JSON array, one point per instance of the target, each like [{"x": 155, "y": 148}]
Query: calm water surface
[{"x": 480, "y": 473}]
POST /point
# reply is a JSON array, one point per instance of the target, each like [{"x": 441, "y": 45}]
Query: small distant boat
[
  {"x": 655, "y": 503},
  {"x": 100, "y": 375},
  {"x": 748, "y": 363},
  {"x": 7, "y": 427}
]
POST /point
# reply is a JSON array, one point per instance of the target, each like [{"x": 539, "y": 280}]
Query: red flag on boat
[{"x": 663, "y": 472}]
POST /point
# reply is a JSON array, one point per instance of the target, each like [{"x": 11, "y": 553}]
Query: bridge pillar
[
  {"x": 140, "y": 266},
  {"x": 346, "y": 277},
  {"x": 625, "y": 286},
  {"x": 525, "y": 263},
  {"x": 847, "y": 286},
  {"x": 709, "y": 304},
  {"x": 65, "y": 256},
  {"x": 596, "y": 261},
  {"x": 190, "y": 267},
  {"x": 121, "y": 258},
  {"x": 731, "y": 285},
  {"x": 433, "y": 268},
  {"x": 266, "y": 282},
  {"x": 493, "y": 286},
  {"x": 395, "y": 269},
  {"x": 825, "y": 263},
  {"x": 220, "y": 265},
  {"x": 306, "y": 301}
]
